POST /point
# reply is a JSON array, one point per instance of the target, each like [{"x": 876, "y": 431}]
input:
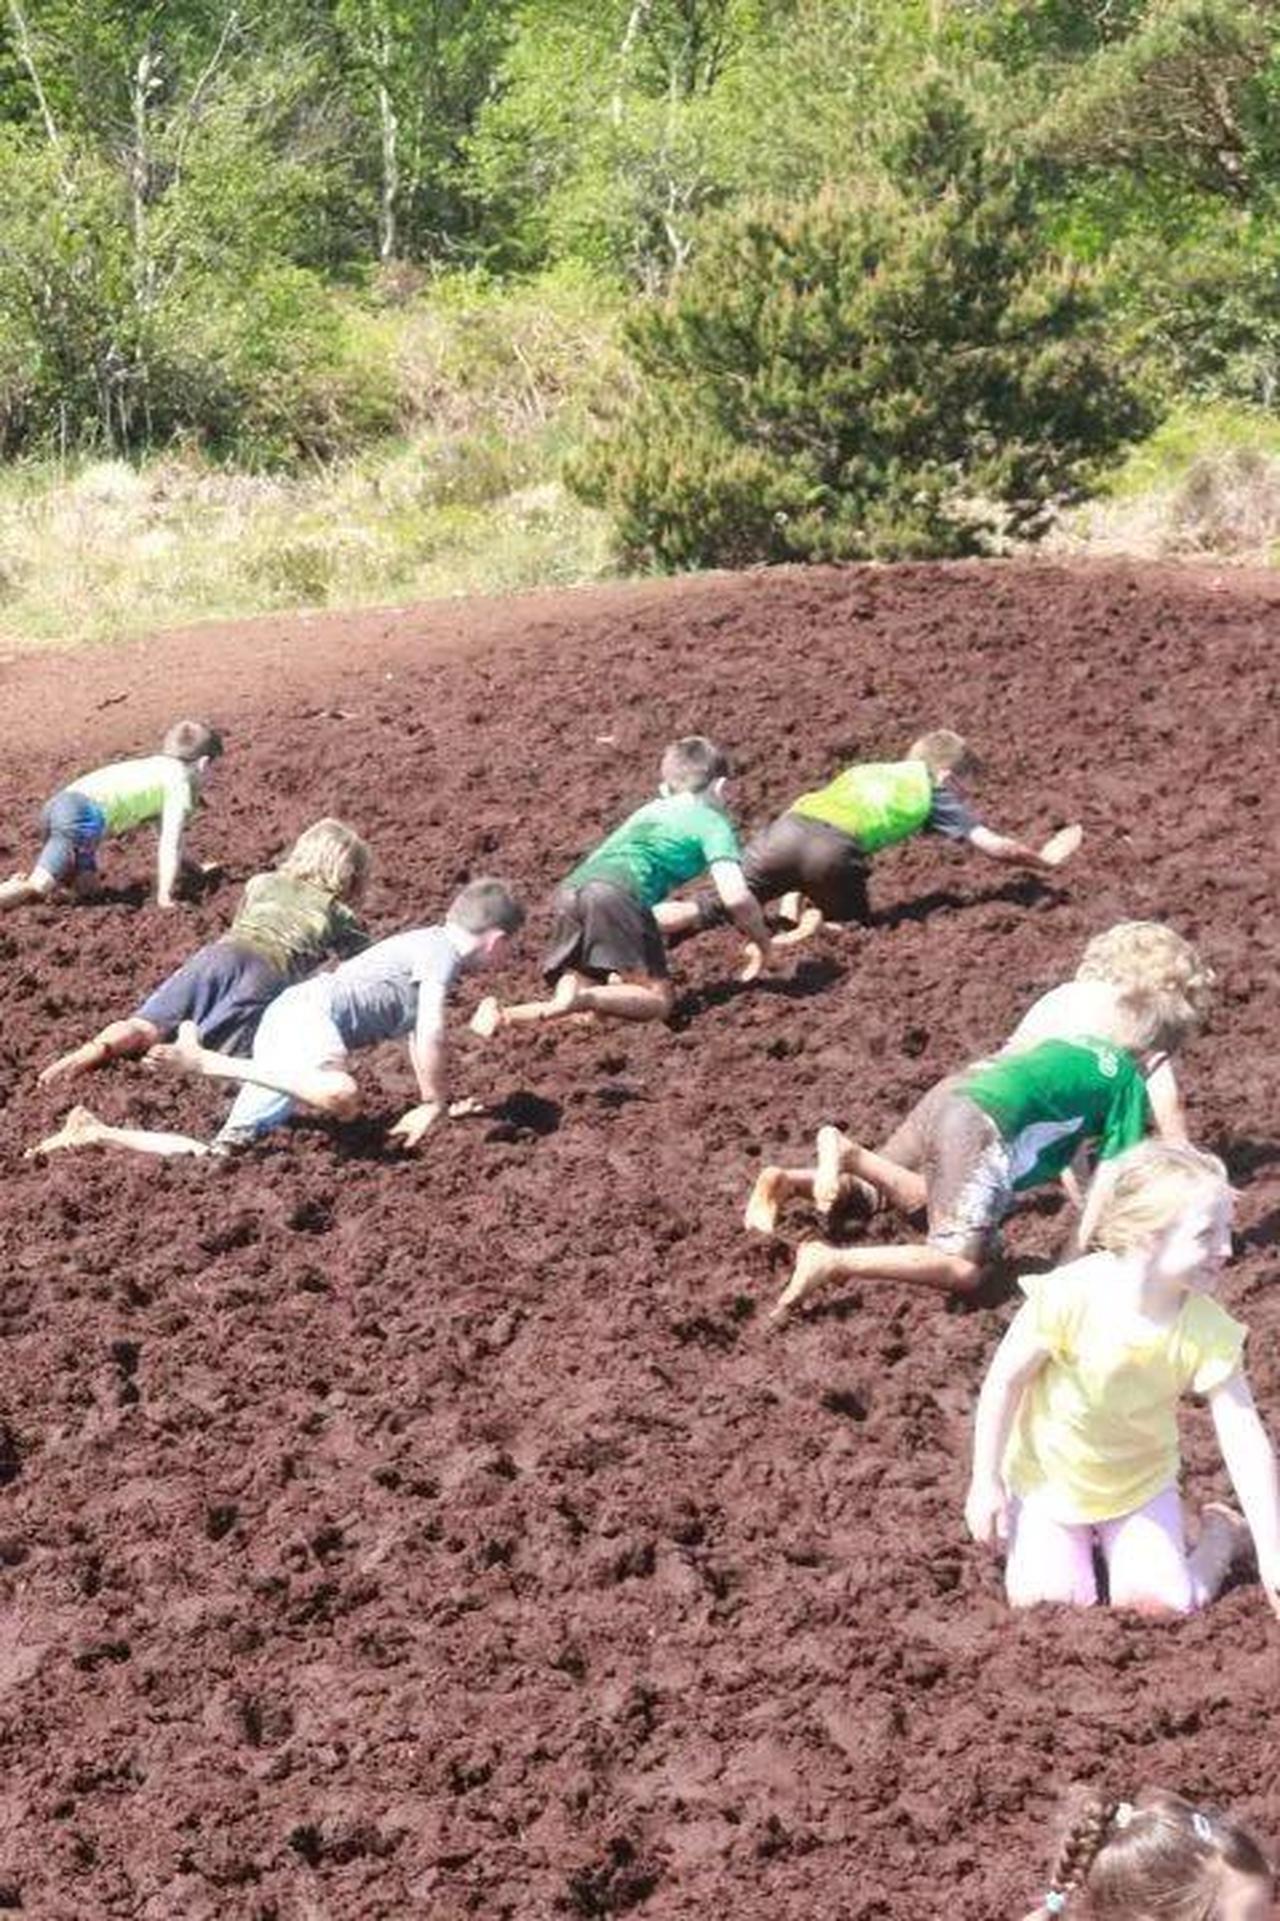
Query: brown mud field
[{"x": 447, "y": 1534}]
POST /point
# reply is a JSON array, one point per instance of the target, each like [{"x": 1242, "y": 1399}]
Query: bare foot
[
  {"x": 767, "y": 1196},
  {"x": 813, "y": 1265},
  {"x": 183, "y": 1056},
  {"x": 487, "y": 1018},
  {"x": 827, "y": 1179},
  {"x": 62, "y": 1069},
  {"x": 462, "y": 1110},
  {"x": 805, "y": 928},
  {"x": 565, "y": 996},
  {"x": 1061, "y": 846},
  {"x": 80, "y": 1129},
  {"x": 1225, "y": 1540}
]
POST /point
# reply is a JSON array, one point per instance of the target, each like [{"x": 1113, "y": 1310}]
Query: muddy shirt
[
  {"x": 658, "y": 848},
  {"x": 1049, "y": 1101},
  {"x": 294, "y": 924},
  {"x": 132, "y": 791}
]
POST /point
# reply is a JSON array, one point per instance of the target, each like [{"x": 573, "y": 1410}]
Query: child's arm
[
  {"x": 429, "y": 1057},
  {"x": 1018, "y": 1359},
  {"x": 169, "y": 854},
  {"x": 744, "y": 910},
  {"x": 1053, "y": 853},
  {"x": 1251, "y": 1462},
  {"x": 1166, "y": 1102}
]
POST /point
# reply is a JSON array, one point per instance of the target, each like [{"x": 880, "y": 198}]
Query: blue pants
[{"x": 73, "y": 825}]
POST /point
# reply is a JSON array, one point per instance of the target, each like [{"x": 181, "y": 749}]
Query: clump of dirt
[{"x": 448, "y": 1534}]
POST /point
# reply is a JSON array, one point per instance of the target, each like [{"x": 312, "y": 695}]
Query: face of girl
[
  {"x": 1244, "y": 1898},
  {"x": 1193, "y": 1249}
]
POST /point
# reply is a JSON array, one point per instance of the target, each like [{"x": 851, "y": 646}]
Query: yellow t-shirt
[{"x": 1097, "y": 1432}]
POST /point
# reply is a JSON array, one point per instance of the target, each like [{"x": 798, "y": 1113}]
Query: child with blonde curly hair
[
  {"x": 1076, "y": 1438},
  {"x": 289, "y": 922},
  {"x": 1159, "y": 1858}
]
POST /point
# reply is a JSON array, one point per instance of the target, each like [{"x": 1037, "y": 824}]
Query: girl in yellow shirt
[{"x": 1076, "y": 1440}]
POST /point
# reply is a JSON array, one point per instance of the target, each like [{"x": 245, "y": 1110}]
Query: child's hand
[
  {"x": 757, "y": 960},
  {"x": 1059, "y": 847},
  {"x": 1269, "y": 1575},
  {"x": 986, "y": 1512},
  {"x": 411, "y": 1127}
]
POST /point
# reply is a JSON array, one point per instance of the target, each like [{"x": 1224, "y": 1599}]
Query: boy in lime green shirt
[
  {"x": 163, "y": 787},
  {"x": 814, "y": 858},
  {"x": 968, "y": 1150},
  {"x": 606, "y": 952}
]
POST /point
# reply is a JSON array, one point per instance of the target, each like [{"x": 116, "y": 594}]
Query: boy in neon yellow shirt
[
  {"x": 1076, "y": 1438},
  {"x": 163, "y": 787},
  {"x": 814, "y": 857}
]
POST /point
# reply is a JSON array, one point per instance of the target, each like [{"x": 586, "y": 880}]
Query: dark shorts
[
  {"x": 600, "y": 929},
  {"x": 954, "y": 1144},
  {"x": 795, "y": 854},
  {"x": 224, "y": 989},
  {"x": 72, "y": 826}
]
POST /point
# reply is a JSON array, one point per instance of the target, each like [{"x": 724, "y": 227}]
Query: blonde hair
[
  {"x": 331, "y": 855},
  {"x": 1161, "y": 1858},
  {"x": 1142, "y": 1191},
  {"x": 1166, "y": 987},
  {"x": 944, "y": 752}
]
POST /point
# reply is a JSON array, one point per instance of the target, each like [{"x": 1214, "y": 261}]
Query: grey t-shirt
[{"x": 374, "y": 996}]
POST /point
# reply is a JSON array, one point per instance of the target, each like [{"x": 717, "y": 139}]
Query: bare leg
[
  {"x": 329, "y": 1089},
  {"x": 678, "y": 916},
  {"x": 622, "y": 999},
  {"x": 839, "y": 1154},
  {"x": 21, "y": 889},
  {"x": 116, "y": 1042},
  {"x": 1224, "y": 1540},
  {"x": 915, "y": 1262},
  {"x": 83, "y": 1129},
  {"x": 808, "y": 919}
]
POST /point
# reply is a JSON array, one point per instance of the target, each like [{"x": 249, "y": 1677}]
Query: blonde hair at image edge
[
  {"x": 1164, "y": 1858},
  {"x": 331, "y": 855},
  {"x": 1139, "y": 1193}
]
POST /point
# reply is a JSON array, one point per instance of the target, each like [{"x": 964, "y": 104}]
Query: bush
[{"x": 867, "y": 375}]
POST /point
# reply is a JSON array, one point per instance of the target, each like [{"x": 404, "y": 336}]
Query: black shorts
[
  {"x": 600, "y": 929},
  {"x": 797, "y": 855},
  {"x": 224, "y": 988}
]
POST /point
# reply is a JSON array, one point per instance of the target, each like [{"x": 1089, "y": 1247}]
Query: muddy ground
[{"x": 447, "y": 1534}]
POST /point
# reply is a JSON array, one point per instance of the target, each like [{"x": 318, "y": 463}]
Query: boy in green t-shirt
[
  {"x": 606, "y": 953},
  {"x": 163, "y": 787},
  {"x": 814, "y": 858},
  {"x": 973, "y": 1144}
]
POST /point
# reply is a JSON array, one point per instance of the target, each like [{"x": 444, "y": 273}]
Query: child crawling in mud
[
  {"x": 814, "y": 858},
  {"x": 980, "y": 1137},
  {"x": 1076, "y": 1439},
  {"x": 290, "y": 921},
  {"x": 1157, "y": 1858},
  {"x": 606, "y": 954},
  {"x": 164, "y": 787},
  {"x": 301, "y": 1051}
]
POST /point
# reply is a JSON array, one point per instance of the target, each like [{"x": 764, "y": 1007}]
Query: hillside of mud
[{"x": 448, "y": 1534}]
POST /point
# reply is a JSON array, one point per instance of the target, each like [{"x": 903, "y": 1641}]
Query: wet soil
[{"x": 447, "y": 1534}]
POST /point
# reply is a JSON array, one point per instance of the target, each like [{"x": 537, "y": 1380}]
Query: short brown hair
[
  {"x": 1161, "y": 1858},
  {"x": 944, "y": 752},
  {"x": 691, "y": 764},
  {"x": 192, "y": 740},
  {"x": 485, "y": 904}
]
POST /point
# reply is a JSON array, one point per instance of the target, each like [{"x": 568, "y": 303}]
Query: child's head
[
  {"x": 946, "y": 754},
  {"x": 192, "y": 741},
  {"x": 1159, "y": 1859},
  {"x": 490, "y": 913},
  {"x": 332, "y": 856},
  {"x": 1170, "y": 1201},
  {"x": 693, "y": 765},
  {"x": 1164, "y": 983}
]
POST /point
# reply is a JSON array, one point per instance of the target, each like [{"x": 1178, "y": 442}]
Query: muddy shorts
[
  {"x": 947, "y": 1138},
  {"x": 599, "y": 929},
  {"x": 224, "y": 988},
  {"x": 72, "y": 825},
  {"x": 797, "y": 854}
]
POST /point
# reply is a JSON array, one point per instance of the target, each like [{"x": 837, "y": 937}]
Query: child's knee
[
  {"x": 340, "y": 1099},
  {"x": 1156, "y": 1600}
]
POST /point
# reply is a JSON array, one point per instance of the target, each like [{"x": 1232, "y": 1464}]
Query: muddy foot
[
  {"x": 80, "y": 1129},
  {"x": 761, "y": 1216},
  {"x": 813, "y": 1265}
]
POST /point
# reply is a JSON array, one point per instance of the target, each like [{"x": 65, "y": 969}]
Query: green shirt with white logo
[
  {"x": 662, "y": 845},
  {"x": 1047, "y": 1102}
]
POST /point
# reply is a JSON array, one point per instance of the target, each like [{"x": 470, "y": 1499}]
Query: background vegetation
[{"x": 341, "y": 299}]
